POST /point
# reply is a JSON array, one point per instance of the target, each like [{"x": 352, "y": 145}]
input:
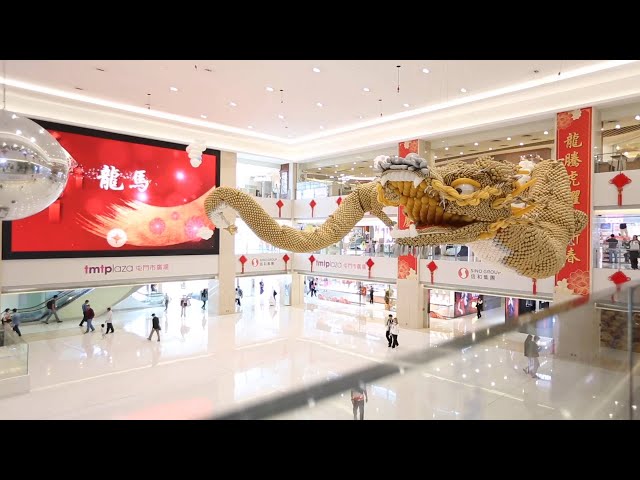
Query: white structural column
[
  {"x": 297, "y": 289},
  {"x": 410, "y": 294},
  {"x": 227, "y": 257}
]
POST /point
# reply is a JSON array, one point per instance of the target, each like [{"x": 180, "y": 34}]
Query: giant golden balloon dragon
[{"x": 517, "y": 215}]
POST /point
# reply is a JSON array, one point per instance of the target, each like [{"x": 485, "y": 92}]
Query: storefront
[
  {"x": 353, "y": 292},
  {"x": 452, "y": 304},
  {"x": 514, "y": 307}
]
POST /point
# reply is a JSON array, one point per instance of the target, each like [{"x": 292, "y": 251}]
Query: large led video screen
[{"x": 128, "y": 196}]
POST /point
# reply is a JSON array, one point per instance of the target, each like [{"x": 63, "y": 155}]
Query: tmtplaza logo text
[{"x": 107, "y": 269}]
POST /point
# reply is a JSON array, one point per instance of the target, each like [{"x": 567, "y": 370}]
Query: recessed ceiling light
[
  {"x": 318, "y": 104},
  {"x": 508, "y": 138},
  {"x": 461, "y": 153},
  {"x": 319, "y": 168},
  {"x": 521, "y": 143},
  {"x": 360, "y": 117},
  {"x": 321, "y": 127},
  {"x": 203, "y": 116},
  {"x": 173, "y": 89},
  {"x": 281, "y": 117},
  {"x": 446, "y": 148},
  {"x": 475, "y": 143},
  {"x": 332, "y": 176},
  {"x": 366, "y": 89},
  {"x": 405, "y": 105},
  {"x": 335, "y": 166},
  {"x": 355, "y": 163},
  {"x": 335, "y": 171},
  {"x": 637, "y": 117},
  {"x": 316, "y": 69},
  {"x": 617, "y": 147},
  {"x": 269, "y": 89},
  {"x": 425, "y": 70},
  {"x": 435, "y": 156},
  {"x": 250, "y": 127},
  {"x": 352, "y": 168},
  {"x": 233, "y": 104},
  {"x": 626, "y": 154},
  {"x": 463, "y": 90},
  {"x": 370, "y": 166},
  {"x": 490, "y": 148},
  {"x": 546, "y": 132},
  {"x": 617, "y": 125}
]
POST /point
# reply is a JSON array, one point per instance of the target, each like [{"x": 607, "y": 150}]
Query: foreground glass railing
[{"x": 582, "y": 364}]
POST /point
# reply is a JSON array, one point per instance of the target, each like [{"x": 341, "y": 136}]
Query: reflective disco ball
[{"x": 34, "y": 167}]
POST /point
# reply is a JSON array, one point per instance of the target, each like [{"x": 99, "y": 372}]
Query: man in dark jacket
[
  {"x": 155, "y": 326},
  {"x": 88, "y": 315},
  {"x": 85, "y": 305}
]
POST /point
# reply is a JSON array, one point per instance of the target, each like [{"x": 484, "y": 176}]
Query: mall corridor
[{"x": 206, "y": 365}]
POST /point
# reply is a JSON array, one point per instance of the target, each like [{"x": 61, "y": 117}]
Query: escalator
[{"x": 40, "y": 311}]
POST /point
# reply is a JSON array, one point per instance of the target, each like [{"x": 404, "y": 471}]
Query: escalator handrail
[{"x": 62, "y": 294}]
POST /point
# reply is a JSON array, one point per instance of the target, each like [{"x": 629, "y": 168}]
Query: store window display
[
  {"x": 348, "y": 291},
  {"x": 612, "y": 237}
]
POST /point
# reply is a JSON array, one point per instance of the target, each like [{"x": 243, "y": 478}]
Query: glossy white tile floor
[{"x": 205, "y": 365}]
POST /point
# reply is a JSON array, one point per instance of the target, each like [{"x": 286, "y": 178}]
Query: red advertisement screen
[{"x": 128, "y": 197}]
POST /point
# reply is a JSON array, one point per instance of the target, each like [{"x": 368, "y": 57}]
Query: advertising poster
[{"x": 128, "y": 196}]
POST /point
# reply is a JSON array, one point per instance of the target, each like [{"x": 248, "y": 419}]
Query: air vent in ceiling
[
  {"x": 527, "y": 135},
  {"x": 495, "y": 141}
]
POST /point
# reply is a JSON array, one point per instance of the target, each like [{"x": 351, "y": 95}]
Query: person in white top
[
  {"x": 109, "y": 321},
  {"x": 395, "y": 330}
]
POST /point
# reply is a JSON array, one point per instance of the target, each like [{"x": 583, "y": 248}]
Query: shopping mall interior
[{"x": 107, "y": 205}]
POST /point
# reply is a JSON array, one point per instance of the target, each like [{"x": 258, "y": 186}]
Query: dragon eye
[{"x": 465, "y": 186}]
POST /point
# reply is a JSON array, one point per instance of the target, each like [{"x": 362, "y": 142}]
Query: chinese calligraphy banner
[
  {"x": 128, "y": 196},
  {"x": 574, "y": 147}
]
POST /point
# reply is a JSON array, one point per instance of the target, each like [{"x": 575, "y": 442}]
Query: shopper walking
[
  {"x": 204, "y": 296},
  {"x": 634, "y": 252},
  {"x": 52, "y": 309},
  {"x": 109, "y": 321},
  {"x": 166, "y": 301},
  {"x": 184, "y": 303},
  {"x": 395, "y": 330},
  {"x": 535, "y": 353},
  {"x": 358, "y": 398},
  {"x": 479, "y": 306},
  {"x": 371, "y": 294},
  {"x": 155, "y": 326},
  {"x": 89, "y": 317},
  {"x": 238, "y": 297},
  {"x": 527, "y": 354},
  {"x": 6, "y": 316},
  {"x": 15, "y": 321},
  {"x": 84, "y": 312},
  {"x": 387, "y": 333}
]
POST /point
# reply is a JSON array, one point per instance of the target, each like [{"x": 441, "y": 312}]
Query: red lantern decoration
[
  {"x": 620, "y": 181},
  {"x": 535, "y": 286},
  {"x": 312, "y": 204},
  {"x": 286, "y": 259},
  {"x": 339, "y": 201},
  {"x": 370, "y": 264},
  {"x": 312, "y": 259},
  {"x": 618, "y": 278},
  {"x": 432, "y": 266},
  {"x": 243, "y": 260},
  {"x": 279, "y": 204}
]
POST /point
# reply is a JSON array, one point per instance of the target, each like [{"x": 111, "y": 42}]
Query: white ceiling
[
  {"x": 338, "y": 86},
  {"x": 123, "y": 86}
]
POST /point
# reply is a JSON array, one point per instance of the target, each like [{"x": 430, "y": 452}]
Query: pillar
[
  {"x": 410, "y": 294},
  {"x": 226, "y": 256},
  {"x": 297, "y": 290}
]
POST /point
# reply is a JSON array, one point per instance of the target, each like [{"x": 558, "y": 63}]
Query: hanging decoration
[
  {"x": 620, "y": 181},
  {"x": 195, "y": 151}
]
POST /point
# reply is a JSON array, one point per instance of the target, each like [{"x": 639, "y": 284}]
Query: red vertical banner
[
  {"x": 574, "y": 133},
  {"x": 404, "y": 149}
]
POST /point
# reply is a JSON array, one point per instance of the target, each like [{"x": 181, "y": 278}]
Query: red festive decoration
[
  {"x": 432, "y": 266},
  {"x": 535, "y": 286},
  {"x": 620, "y": 181},
  {"x": 339, "y": 201},
  {"x": 279, "y": 204},
  {"x": 618, "y": 278},
  {"x": 370, "y": 264},
  {"x": 286, "y": 259},
  {"x": 312, "y": 204},
  {"x": 243, "y": 260},
  {"x": 312, "y": 259}
]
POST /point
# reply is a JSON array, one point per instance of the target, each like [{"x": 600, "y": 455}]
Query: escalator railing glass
[{"x": 39, "y": 311}]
